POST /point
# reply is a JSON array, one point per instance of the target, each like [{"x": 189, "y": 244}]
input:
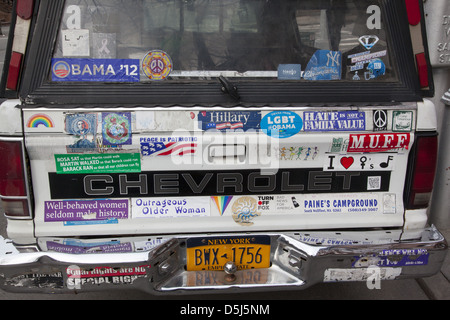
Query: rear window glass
[{"x": 199, "y": 40}]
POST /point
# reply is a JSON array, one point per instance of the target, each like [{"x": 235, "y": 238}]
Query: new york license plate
[{"x": 212, "y": 253}]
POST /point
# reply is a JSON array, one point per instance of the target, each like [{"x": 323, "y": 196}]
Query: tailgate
[{"x": 157, "y": 171}]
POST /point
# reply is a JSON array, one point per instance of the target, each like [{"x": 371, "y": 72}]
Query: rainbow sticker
[
  {"x": 222, "y": 203},
  {"x": 38, "y": 120}
]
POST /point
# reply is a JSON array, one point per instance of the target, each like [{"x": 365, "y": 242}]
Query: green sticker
[
  {"x": 98, "y": 163},
  {"x": 402, "y": 121}
]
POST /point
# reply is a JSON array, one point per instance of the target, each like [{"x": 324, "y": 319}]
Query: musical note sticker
[{"x": 372, "y": 162}]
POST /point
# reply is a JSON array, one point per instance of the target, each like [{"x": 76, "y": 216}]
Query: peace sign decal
[
  {"x": 157, "y": 65},
  {"x": 380, "y": 120}
]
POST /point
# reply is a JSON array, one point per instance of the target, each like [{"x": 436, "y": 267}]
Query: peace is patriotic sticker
[{"x": 157, "y": 65}]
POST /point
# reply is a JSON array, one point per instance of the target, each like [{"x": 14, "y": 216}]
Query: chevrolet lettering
[{"x": 153, "y": 184}]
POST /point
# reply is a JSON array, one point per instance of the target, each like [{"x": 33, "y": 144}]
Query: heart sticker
[{"x": 347, "y": 162}]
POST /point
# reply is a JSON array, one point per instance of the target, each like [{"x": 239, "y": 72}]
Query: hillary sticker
[{"x": 157, "y": 65}]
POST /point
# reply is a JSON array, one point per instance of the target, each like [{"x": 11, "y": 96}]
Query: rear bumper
[{"x": 298, "y": 260}]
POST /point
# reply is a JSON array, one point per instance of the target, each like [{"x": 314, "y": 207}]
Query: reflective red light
[
  {"x": 413, "y": 10},
  {"x": 24, "y": 8},
  {"x": 422, "y": 69},
  {"x": 14, "y": 71}
]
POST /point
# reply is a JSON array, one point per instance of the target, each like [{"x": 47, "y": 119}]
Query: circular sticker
[
  {"x": 245, "y": 209},
  {"x": 281, "y": 124},
  {"x": 61, "y": 69},
  {"x": 375, "y": 68},
  {"x": 157, "y": 65}
]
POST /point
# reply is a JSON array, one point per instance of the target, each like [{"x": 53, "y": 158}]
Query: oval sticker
[{"x": 281, "y": 124}]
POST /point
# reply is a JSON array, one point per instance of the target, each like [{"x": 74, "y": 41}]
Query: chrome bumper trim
[{"x": 299, "y": 260}]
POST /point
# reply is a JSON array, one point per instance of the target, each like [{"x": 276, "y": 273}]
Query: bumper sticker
[
  {"x": 95, "y": 70},
  {"x": 334, "y": 121},
  {"x": 40, "y": 120},
  {"x": 281, "y": 124},
  {"x": 378, "y": 162},
  {"x": 379, "y": 142},
  {"x": 98, "y": 163},
  {"x": 85, "y": 210},
  {"x": 402, "y": 121},
  {"x": 170, "y": 207},
  {"x": 394, "y": 258},
  {"x": 116, "y": 128},
  {"x": 229, "y": 120},
  {"x": 168, "y": 146}
]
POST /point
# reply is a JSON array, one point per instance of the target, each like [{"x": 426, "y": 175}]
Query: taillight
[
  {"x": 13, "y": 186},
  {"x": 16, "y": 208},
  {"x": 424, "y": 172}
]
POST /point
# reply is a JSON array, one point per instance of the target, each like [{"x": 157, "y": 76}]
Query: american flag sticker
[{"x": 168, "y": 149}]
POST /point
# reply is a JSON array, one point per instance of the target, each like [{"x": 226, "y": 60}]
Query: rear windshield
[{"x": 197, "y": 40}]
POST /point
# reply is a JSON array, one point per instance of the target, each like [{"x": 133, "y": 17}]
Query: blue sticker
[
  {"x": 91, "y": 222},
  {"x": 375, "y": 68},
  {"x": 395, "y": 258},
  {"x": 289, "y": 72},
  {"x": 229, "y": 120},
  {"x": 81, "y": 124},
  {"x": 334, "y": 121},
  {"x": 324, "y": 65},
  {"x": 281, "y": 124},
  {"x": 95, "y": 70}
]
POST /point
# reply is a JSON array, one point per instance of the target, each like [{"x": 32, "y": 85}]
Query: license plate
[{"x": 212, "y": 253}]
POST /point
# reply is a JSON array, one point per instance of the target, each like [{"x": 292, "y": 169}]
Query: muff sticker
[
  {"x": 378, "y": 142},
  {"x": 95, "y": 70},
  {"x": 281, "y": 124}
]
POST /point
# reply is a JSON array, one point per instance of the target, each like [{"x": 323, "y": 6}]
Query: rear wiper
[{"x": 228, "y": 87}]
